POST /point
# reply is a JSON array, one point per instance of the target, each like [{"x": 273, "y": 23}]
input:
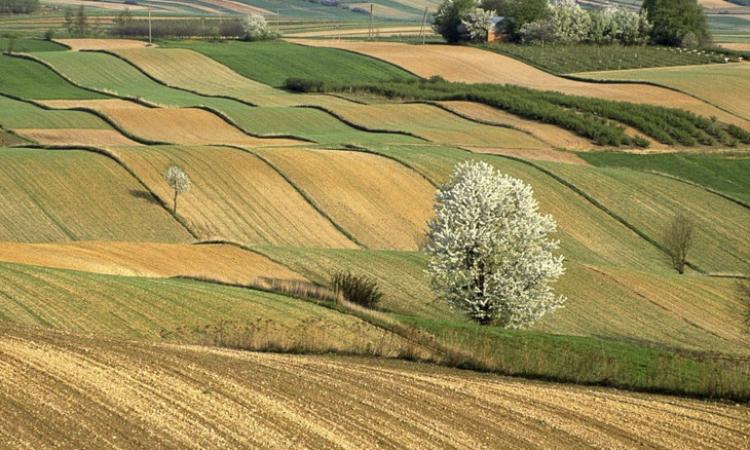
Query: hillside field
[{"x": 139, "y": 309}]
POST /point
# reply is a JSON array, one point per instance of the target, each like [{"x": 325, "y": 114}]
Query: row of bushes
[
  {"x": 595, "y": 119},
  {"x": 178, "y": 28},
  {"x": 18, "y": 6}
]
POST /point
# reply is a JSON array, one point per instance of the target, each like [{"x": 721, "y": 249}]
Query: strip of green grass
[
  {"x": 728, "y": 175},
  {"x": 275, "y": 61},
  {"x": 30, "y": 45},
  {"x": 32, "y": 80},
  {"x": 574, "y": 58},
  {"x": 16, "y": 114},
  {"x": 590, "y": 360}
]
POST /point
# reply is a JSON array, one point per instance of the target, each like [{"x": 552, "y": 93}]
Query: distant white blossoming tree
[
  {"x": 256, "y": 28},
  {"x": 178, "y": 181},
  {"x": 490, "y": 251}
]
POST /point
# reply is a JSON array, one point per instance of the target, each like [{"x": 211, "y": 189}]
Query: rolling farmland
[{"x": 144, "y": 309}]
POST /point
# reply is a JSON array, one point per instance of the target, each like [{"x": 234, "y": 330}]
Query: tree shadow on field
[{"x": 145, "y": 195}]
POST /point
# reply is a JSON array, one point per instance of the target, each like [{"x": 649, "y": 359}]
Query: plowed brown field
[
  {"x": 101, "y": 44},
  {"x": 234, "y": 196},
  {"x": 87, "y": 393},
  {"x": 472, "y": 65},
  {"x": 220, "y": 262},
  {"x": 379, "y": 201}
]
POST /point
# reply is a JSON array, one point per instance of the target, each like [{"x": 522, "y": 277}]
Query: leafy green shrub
[
  {"x": 304, "y": 85},
  {"x": 357, "y": 289}
]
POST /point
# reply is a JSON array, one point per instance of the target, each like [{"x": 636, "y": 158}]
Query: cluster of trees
[
  {"x": 595, "y": 119},
  {"x": 253, "y": 27},
  {"x": 18, "y": 6},
  {"x": 663, "y": 22}
]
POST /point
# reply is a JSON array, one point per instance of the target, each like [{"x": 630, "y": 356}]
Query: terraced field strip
[
  {"x": 225, "y": 263},
  {"x": 69, "y": 136},
  {"x": 472, "y": 65},
  {"x": 156, "y": 309},
  {"x": 718, "y": 84},
  {"x": 435, "y": 125},
  {"x": 235, "y": 196},
  {"x": 361, "y": 32},
  {"x": 101, "y": 44},
  {"x": 196, "y": 72},
  {"x": 587, "y": 233},
  {"x": 29, "y": 79},
  {"x": 383, "y": 204},
  {"x": 58, "y": 196},
  {"x": 17, "y": 114},
  {"x": 400, "y": 274},
  {"x": 649, "y": 202},
  {"x": 555, "y": 136},
  {"x": 221, "y": 398},
  {"x": 533, "y": 155}
]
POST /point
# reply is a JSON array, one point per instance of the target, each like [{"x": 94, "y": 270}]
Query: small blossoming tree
[
  {"x": 491, "y": 254},
  {"x": 178, "y": 181}
]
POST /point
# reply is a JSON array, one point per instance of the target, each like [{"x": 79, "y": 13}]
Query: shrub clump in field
[
  {"x": 358, "y": 289},
  {"x": 491, "y": 256}
]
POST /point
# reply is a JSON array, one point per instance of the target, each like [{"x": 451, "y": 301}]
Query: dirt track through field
[
  {"x": 472, "y": 65},
  {"x": 220, "y": 262},
  {"x": 91, "y": 393}
]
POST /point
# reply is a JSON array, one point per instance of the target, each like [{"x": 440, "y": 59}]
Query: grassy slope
[
  {"x": 649, "y": 202},
  {"x": 30, "y": 45},
  {"x": 32, "y": 80},
  {"x": 53, "y": 196},
  {"x": 235, "y": 196},
  {"x": 721, "y": 85},
  {"x": 724, "y": 174},
  {"x": 148, "y": 308},
  {"x": 17, "y": 114},
  {"x": 383, "y": 204},
  {"x": 273, "y": 62}
]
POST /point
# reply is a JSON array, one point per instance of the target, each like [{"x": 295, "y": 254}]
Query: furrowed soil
[
  {"x": 62, "y": 136},
  {"x": 383, "y": 204},
  {"x": 210, "y": 398},
  {"x": 235, "y": 196}
]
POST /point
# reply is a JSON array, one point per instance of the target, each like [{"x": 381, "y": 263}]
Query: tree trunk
[{"x": 174, "y": 209}]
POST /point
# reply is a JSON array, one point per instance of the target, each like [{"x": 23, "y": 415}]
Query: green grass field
[
  {"x": 724, "y": 174},
  {"x": 273, "y": 62},
  {"x": 65, "y": 195},
  {"x": 31, "y": 80},
  {"x": 17, "y": 114},
  {"x": 23, "y": 45}
]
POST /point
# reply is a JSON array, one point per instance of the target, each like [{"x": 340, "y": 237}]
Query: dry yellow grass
[
  {"x": 89, "y": 393},
  {"x": 66, "y": 136},
  {"x": 739, "y": 46},
  {"x": 101, "y": 44},
  {"x": 719, "y": 84},
  {"x": 234, "y": 196},
  {"x": 472, "y": 65},
  {"x": 222, "y": 262},
  {"x": 379, "y": 201},
  {"x": 188, "y": 126},
  {"x": 436, "y": 125},
  {"x": 555, "y": 136}
]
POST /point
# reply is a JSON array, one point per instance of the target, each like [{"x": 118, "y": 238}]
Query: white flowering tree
[
  {"x": 178, "y": 181},
  {"x": 490, "y": 251},
  {"x": 570, "y": 22},
  {"x": 255, "y": 27},
  {"x": 477, "y": 25}
]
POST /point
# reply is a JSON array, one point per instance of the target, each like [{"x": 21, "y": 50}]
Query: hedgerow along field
[{"x": 264, "y": 229}]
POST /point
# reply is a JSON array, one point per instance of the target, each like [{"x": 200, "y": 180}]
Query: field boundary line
[
  {"x": 361, "y": 127},
  {"x": 300, "y": 191},
  {"x": 114, "y": 157},
  {"x": 599, "y": 205},
  {"x": 357, "y": 148}
]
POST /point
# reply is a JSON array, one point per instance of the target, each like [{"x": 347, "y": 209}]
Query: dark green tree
[
  {"x": 518, "y": 13},
  {"x": 447, "y": 20},
  {"x": 677, "y": 22}
]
